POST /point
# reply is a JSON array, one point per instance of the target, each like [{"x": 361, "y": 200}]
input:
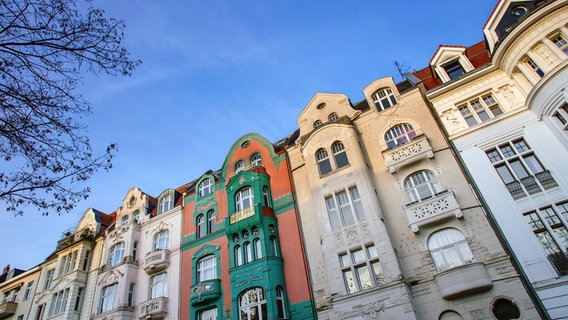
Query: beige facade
[
  {"x": 391, "y": 226},
  {"x": 16, "y": 292}
]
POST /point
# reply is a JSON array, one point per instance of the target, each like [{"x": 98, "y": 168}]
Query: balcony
[
  {"x": 156, "y": 261},
  {"x": 7, "y": 309},
  {"x": 120, "y": 312},
  {"x": 417, "y": 149},
  {"x": 205, "y": 291},
  {"x": 241, "y": 215},
  {"x": 532, "y": 185},
  {"x": 155, "y": 309},
  {"x": 441, "y": 206},
  {"x": 463, "y": 280}
]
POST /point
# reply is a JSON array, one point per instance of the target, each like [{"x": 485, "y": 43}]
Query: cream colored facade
[
  {"x": 17, "y": 294},
  {"x": 374, "y": 211},
  {"x": 516, "y": 146}
]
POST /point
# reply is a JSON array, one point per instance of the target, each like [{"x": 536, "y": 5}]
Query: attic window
[
  {"x": 454, "y": 69},
  {"x": 320, "y": 106},
  {"x": 519, "y": 10},
  {"x": 317, "y": 124},
  {"x": 245, "y": 144}
]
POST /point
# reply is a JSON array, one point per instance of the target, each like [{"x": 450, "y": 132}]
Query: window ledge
[
  {"x": 463, "y": 280},
  {"x": 417, "y": 149},
  {"x": 441, "y": 206}
]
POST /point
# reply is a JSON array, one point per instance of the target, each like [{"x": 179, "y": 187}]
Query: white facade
[
  {"x": 507, "y": 119},
  {"x": 139, "y": 273}
]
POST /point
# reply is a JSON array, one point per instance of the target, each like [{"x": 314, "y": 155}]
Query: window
[
  {"x": 454, "y": 69},
  {"x": 384, "y": 99},
  {"x": 449, "y": 249},
  {"x": 109, "y": 297},
  {"x": 324, "y": 166},
  {"x": 274, "y": 246},
  {"x": 207, "y": 269},
  {"x": 399, "y": 135},
  {"x": 200, "y": 226},
  {"x": 560, "y": 42},
  {"x": 166, "y": 204},
  {"x": 116, "y": 254},
  {"x": 534, "y": 67},
  {"x": 131, "y": 294},
  {"x": 266, "y": 196},
  {"x": 58, "y": 302},
  {"x": 86, "y": 260},
  {"x": 252, "y": 305},
  {"x": 208, "y": 314},
  {"x": 158, "y": 286},
  {"x": 210, "y": 221},
  {"x": 15, "y": 295},
  {"x": 344, "y": 208},
  {"x": 504, "y": 309},
  {"x": 552, "y": 233},
  {"x": 421, "y": 185},
  {"x": 238, "y": 252},
  {"x": 257, "y": 248},
  {"x": 361, "y": 269},
  {"x": 124, "y": 221},
  {"x": 561, "y": 117},
  {"x": 520, "y": 169},
  {"x": 78, "y": 299},
  {"x": 48, "y": 279},
  {"x": 28, "y": 290},
  {"x": 39, "y": 312},
  {"x": 333, "y": 117},
  {"x": 280, "y": 303},
  {"x": 339, "y": 154},
  {"x": 480, "y": 109},
  {"x": 239, "y": 166},
  {"x": 256, "y": 159},
  {"x": 205, "y": 187},
  {"x": 136, "y": 216},
  {"x": 248, "y": 252},
  {"x": 244, "y": 199},
  {"x": 20, "y": 317},
  {"x": 317, "y": 124},
  {"x": 134, "y": 250},
  {"x": 161, "y": 240}
]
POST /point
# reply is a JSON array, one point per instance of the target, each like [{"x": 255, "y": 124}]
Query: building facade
[
  {"x": 17, "y": 288},
  {"x": 242, "y": 249},
  {"x": 503, "y": 105},
  {"x": 392, "y": 228}
]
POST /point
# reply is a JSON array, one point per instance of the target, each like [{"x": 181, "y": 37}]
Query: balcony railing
[
  {"x": 417, "y": 149},
  {"x": 156, "y": 261},
  {"x": 155, "y": 309},
  {"x": 7, "y": 309},
  {"x": 531, "y": 185},
  {"x": 241, "y": 215},
  {"x": 205, "y": 291},
  {"x": 441, "y": 206},
  {"x": 560, "y": 262}
]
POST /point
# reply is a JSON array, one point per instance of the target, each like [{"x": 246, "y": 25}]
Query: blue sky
[{"x": 215, "y": 70}]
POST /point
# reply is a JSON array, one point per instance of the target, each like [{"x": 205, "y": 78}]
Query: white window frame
[
  {"x": 116, "y": 254},
  {"x": 449, "y": 249},
  {"x": 205, "y": 187},
  {"x": 207, "y": 268},
  {"x": 161, "y": 240},
  {"x": 109, "y": 298},
  {"x": 339, "y": 154},
  {"x": 422, "y": 185},
  {"x": 323, "y": 162},
  {"x": 384, "y": 99},
  {"x": 361, "y": 268},
  {"x": 560, "y": 41},
  {"x": 244, "y": 198},
  {"x": 256, "y": 159},
  {"x": 561, "y": 117},
  {"x": 211, "y": 221},
  {"x": 399, "y": 135},
  {"x": 480, "y": 109},
  {"x": 166, "y": 203},
  {"x": 344, "y": 207},
  {"x": 252, "y": 299},
  {"x": 158, "y": 286},
  {"x": 207, "y": 314},
  {"x": 240, "y": 165}
]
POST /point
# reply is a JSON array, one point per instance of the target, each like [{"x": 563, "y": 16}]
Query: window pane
[
  {"x": 349, "y": 281},
  {"x": 519, "y": 169},
  {"x": 358, "y": 256},
  {"x": 364, "y": 277},
  {"x": 505, "y": 174},
  {"x": 333, "y": 213},
  {"x": 378, "y": 270},
  {"x": 507, "y": 150},
  {"x": 533, "y": 164},
  {"x": 345, "y": 208}
]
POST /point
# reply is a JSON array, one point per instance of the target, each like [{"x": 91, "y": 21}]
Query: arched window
[
  {"x": 124, "y": 220},
  {"x": 257, "y": 248},
  {"x": 200, "y": 226},
  {"x": 384, "y": 99},
  {"x": 421, "y": 185},
  {"x": 449, "y": 249},
  {"x": 332, "y": 117},
  {"x": 504, "y": 309},
  {"x": 324, "y": 165},
  {"x": 280, "y": 303},
  {"x": 398, "y": 135},
  {"x": 274, "y": 246},
  {"x": 109, "y": 298},
  {"x": 450, "y": 315},
  {"x": 256, "y": 159},
  {"x": 205, "y": 187},
  {"x": 207, "y": 314},
  {"x": 248, "y": 252},
  {"x": 210, "y": 221},
  {"x": 161, "y": 240},
  {"x": 244, "y": 198},
  {"x": 238, "y": 255},
  {"x": 239, "y": 165},
  {"x": 116, "y": 254},
  {"x": 158, "y": 287},
  {"x": 136, "y": 216},
  {"x": 266, "y": 196},
  {"x": 339, "y": 154},
  {"x": 317, "y": 124},
  {"x": 207, "y": 268},
  {"x": 166, "y": 203},
  {"x": 252, "y": 305}
]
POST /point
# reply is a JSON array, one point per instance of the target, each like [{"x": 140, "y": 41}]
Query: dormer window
[
  {"x": 239, "y": 166},
  {"x": 256, "y": 159},
  {"x": 166, "y": 203},
  {"x": 205, "y": 187},
  {"x": 384, "y": 99},
  {"x": 317, "y": 124},
  {"x": 560, "y": 42},
  {"x": 454, "y": 69},
  {"x": 333, "y": 117},
  {"x": 534, "y": 67},
  {"x": 124, "y": 220},
  {"x": 480, "y": 110},
  {"x": 519, "y": 10}
]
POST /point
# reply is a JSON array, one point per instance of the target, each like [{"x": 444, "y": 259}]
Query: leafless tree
[{"x": 46, "y": 48}]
